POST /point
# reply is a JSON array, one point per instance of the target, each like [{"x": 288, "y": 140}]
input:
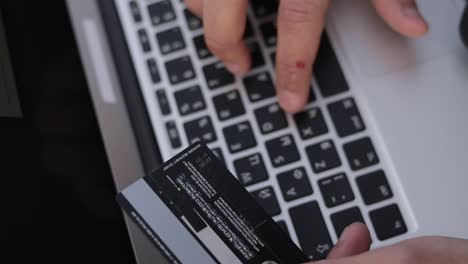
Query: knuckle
[{"x": 300, "y": 11}]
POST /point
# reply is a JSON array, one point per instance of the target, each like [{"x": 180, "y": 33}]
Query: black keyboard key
[
  {"x": 202, "y": 50},
  {"x": 163, "y": 102},
  {"x": 173, "y": 134},
  {"x": 336, "y": 190},
  {"x": 193, "y": 21},
  {"x": 239, "y": 137},
  {"x": 263, "y": 8},
  {"x": 311, "y": 123},
  {"x": 189, "y": 100},
  {"x": 282, "y": 150},
  {"x": 248, "y": 32},
  {"x": 144, "y": 40},
  {"x": 361, "y": 153},
  {"x": 228, "y": 105},
  {"x": 153, "y": 70},
  {"x": 170, "y": 40},
  {"x": 180, "y": 70},
  {"x": 269, "y": 33},
  {"x": 135, "y": 10},
  {"x": 328, "y": 73},
  {"x": 343, "y": 219},
  {"x": 251, "y": 169},
  {"x": 271, "y": 118},
  {"x": 219, "y": 154},
  {"x": 312, "y": 97},
  {"x": 273, "y": 58},
  {"x": 294, "y": 184},
  {"x": 217, "y": 75},
  {"x": 346, "y": 117},
  {"x": 161, "y": 12},
  {"x": 283, "y": 227},
  {"x": 267, "y": 199},
  {"x": 388, "y": 222},
  {"x": 259, "y": 86},
  {"x": 200, "y": 129},
  {"x": 256, "y": 55},
  {"x": 311, "y": 230},
  {"x": 323, "y": 156},
  {"x": 374, "y": 187}
]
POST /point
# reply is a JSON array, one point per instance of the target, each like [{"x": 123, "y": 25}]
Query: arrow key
[
  {"x": 294, "y": 184},
  {"x": 311, "y": 230}
]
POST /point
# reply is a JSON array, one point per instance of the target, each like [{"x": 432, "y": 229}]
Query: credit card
[{"x": 195, "y": 211}]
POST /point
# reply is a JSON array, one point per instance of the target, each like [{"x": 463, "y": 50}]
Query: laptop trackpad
[{"x": 375, "y": 49}]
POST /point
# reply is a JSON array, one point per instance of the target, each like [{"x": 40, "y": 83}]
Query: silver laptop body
[{"x": 398, "y": 160}]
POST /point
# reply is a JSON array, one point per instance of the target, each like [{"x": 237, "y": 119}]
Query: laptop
[{"x": 382, "y": 140}]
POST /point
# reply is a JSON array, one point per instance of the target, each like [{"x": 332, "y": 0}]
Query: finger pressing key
[
  {"x": 300, "y": 25},
  {"x": 224, "y": 27}
]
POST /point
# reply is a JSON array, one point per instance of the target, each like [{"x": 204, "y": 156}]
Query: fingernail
[
  {"x": 411, "y": 12},
  {"x": 233, "y": 68},
  {"x": 289, "y": 100}
]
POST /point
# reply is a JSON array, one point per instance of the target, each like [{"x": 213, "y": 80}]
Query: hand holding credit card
[{"x": 195, "y": 211}]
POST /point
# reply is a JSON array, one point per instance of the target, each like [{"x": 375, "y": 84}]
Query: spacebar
[{"x": 311, "y": 230}]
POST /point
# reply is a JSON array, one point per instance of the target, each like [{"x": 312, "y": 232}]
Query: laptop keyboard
[{"x": 315, "y": 172}]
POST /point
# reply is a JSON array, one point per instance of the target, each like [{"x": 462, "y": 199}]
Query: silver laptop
[{"x": 382, "y": 140}]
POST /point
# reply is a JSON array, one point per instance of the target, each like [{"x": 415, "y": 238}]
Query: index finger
[{"x": 300, "y": 25}]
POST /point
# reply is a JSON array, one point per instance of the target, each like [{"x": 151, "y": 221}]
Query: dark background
[{"x": 58, "y": 198}]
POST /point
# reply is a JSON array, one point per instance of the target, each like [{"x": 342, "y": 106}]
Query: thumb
[
  {"x": 354, "y": 240},
  {"x": 403, "y": 16}
]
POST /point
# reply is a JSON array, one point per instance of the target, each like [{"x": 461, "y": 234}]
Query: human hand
[
  {"x": 355, "y": 241},
  {"x": 300, "y": 24}
]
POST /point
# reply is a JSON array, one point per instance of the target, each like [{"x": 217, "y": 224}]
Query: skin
[
  {"x": 353, "y": 246},
  {"x": 300, "y": 24}
]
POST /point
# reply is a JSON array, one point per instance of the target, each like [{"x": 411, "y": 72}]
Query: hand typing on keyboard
[
  {"x": 300, "y": 24},
  {"x": 355, "y": 241}
]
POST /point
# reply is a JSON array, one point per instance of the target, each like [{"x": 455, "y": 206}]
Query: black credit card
[{"x": 195, "y": 211}]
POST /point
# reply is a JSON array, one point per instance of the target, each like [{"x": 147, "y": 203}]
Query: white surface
[
  {"x": 418, "y": 105},
  {"x": 375, "y": 49}
]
